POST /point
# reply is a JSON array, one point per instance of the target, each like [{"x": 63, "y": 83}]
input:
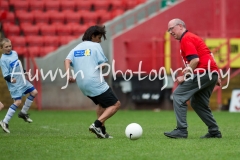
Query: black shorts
[{"x": 105, "y": 99}]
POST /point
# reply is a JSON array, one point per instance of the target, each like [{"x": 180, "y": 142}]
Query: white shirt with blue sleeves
[{"x": 85, "y": 57}]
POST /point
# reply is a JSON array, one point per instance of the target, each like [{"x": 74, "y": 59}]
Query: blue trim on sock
[{"x": 14, "y": 107}]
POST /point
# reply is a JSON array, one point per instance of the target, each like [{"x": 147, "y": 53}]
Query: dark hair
[{"x": 94, "y": 30}]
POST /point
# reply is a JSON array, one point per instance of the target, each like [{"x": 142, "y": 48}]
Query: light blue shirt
[
  {"x": 10, "y": 64},
  {"x": 85, "y": 57}
]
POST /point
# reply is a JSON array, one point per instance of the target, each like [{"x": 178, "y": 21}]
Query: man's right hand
[{"x": 180, "y": 79}]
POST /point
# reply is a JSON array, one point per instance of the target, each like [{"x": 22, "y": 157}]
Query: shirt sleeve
[
  {"x": 101, "y": 58},
  {"x": 70, "y": 57},
  {"x": 4, "y": 68}
]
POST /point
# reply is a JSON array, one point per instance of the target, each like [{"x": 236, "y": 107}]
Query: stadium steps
[{"x": 22, "y": 17}]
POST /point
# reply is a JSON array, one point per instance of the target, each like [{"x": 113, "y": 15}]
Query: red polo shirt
[{"x": 194, "y": 46}]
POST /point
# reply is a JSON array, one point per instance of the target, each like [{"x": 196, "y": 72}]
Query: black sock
[
  {"x": 103, "y": 128},
  {"x": 97, "y": 123}
]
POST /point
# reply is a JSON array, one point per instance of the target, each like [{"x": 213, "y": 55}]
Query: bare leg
[
  {"x": 100, "y": 111},
  {"x": 34, "y": 93},
  {"x": 109, "y": 112}
]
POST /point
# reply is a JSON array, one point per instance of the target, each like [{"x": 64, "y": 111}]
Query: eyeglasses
[{"x": 170, "y": 29}]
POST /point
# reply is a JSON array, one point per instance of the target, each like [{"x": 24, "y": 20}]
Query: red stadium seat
[
  {"x": 103, "y": 16},
  {"x": 34, "y": 51},
  {"x": 10, "y": 18},
  {"x": 117, "y": 4},
  {"x": 117, "y": 12},
  {"x": 72, "y": 17},
  {"x": 20, "y": 5},
  {"x": 21, "y": 51},
  {"x": 78, "y": 29},
  {"x": 40, "y": 24},
  {"x": 34, "y": 41},
  {"x": 65, "y": 39},
  {"x": 24, "y": 16},
  {"x": 83, "y": 5},
  {"x": 130, "y": 4},
  {"x": 4, "y": 5},
  {"x": 26, "y": 24},
  {"x": 67, "y": 5},
  {"x": 64, "y": 30},
  {"x": 52, "y": 5},
  {"x": 3, "y": 15},
  {"x": 36, "y": 5},
  {"x": 56, "y": 17},
  {"x": 89, "y": 24},
  {"x": 90, "y": 17},
  {"x": 18, "y": 41},
  {"x": 50, "y": 41},
  {"x": 40, "y": 17},
  {"x": 102, "y": 4},
  {"x": 30, "y": 29},
  {"x": 46, "y": 50},
  {"x": 48, "y": 30},
  {"x": 11, "y": 30}
]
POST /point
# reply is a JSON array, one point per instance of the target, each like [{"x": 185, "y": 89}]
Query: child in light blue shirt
[
  {"x": 17, "y": 84},
  {"x": 85, "y": 59}
]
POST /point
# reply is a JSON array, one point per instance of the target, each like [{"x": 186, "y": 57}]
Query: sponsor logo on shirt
[
  {"x": 14, "y": 63},
  {"x": 82, "y": 53}
]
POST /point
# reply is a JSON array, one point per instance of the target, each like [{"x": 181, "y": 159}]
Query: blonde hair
[{"x": 3, "y": 41}]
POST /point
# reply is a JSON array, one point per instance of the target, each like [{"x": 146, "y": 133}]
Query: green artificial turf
[{"x": 64, "y": 135}]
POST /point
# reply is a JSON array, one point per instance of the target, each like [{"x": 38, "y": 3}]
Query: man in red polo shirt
[{"x": 197, "y": 83}]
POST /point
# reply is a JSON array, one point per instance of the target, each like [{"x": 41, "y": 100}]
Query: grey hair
[{"x": 179, "y": 21}]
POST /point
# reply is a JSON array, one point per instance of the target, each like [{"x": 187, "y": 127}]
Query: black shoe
[
  {"x": 177, "y": 133},
  {"x": 210, "y": 135},
  {"x": 25, "y": 117}
]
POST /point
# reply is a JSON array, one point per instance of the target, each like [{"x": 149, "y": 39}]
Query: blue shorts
[{"x": 18, "y": 94}]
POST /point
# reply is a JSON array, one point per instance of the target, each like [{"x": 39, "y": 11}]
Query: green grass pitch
[{"x": 64, "y": 135}]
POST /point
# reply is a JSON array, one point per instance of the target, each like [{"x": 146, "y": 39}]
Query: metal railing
[{"x": 227, "y": 66}]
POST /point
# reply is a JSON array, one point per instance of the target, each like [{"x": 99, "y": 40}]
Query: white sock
[
  {"x": 26, "y": 106},
  {"x": 12, "y": 109}
]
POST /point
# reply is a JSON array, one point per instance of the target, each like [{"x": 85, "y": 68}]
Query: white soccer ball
[{"x": 133, "y": 131}]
